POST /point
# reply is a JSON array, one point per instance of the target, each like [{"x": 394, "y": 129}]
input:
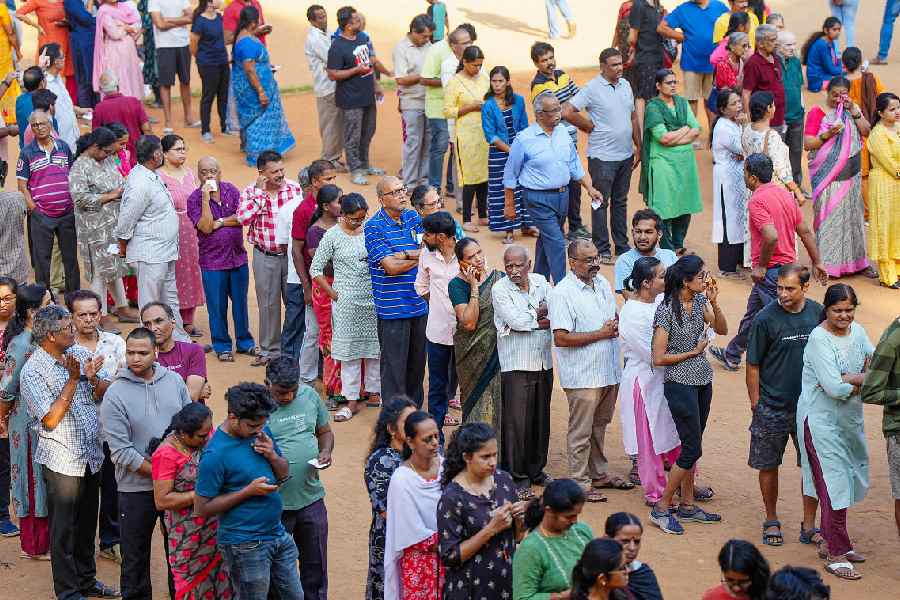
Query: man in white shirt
[
  {"x": 331, "y": 123},
  {"x": 409, "y": 57},
  {"x": 526, "y": 367},
  {"x": 585, "y": 327},
  {"x": 171, "y": 30}
]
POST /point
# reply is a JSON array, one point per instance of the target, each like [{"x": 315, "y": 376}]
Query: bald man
[
  {"x": 223, "y": 260},
  {"x": 392, "y": 242},
  {"x": 526, "y": 367}
]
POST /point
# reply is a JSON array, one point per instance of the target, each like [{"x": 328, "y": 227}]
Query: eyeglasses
[
  {"x": 400, "y": 191},
  {"x": 435, "y": 204},
  {"x": 8, "y": 299},
  {"x": 744, "y": 584},
  {"x": 589, "y": 260},
  {"x": 354, "y": 221}
]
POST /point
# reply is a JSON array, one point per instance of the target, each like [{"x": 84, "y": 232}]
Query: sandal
[
  {"x": 259, "y": 361},
  {"x": 855, "y": 557},
  {"x": 842, "y": 569},
  {"x": 508, "y": 240},
  {"x": 772, "y": 539},
  {"x": 810, "y": 536},
  {"x": 455, "y": 403},
  {"x": 331, "y": 403},
  {"x": 612, "y": 483},
  {"x": 452, "y": 421},
  {"x": 470, "y": 228},
  {"x": 343, "y": 414},
  {"x": 593, "y": 495},
  {"x": 226, "y": 356},
  {"x": 373, "y": 400}
]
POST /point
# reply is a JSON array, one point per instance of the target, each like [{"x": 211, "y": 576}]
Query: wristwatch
[{"x": 220, "y": 222}]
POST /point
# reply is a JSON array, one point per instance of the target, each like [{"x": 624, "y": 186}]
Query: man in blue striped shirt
[{"x": 392, "y": 244}]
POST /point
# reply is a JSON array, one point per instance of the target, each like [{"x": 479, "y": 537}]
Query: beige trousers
[{"x": 590, "y": 411}]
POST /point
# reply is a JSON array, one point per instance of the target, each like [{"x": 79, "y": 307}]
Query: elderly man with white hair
[
  {"x": 118, "y": 108},
  {"x": 792, "y": 78},
  {"x": 526, "y": 367}
]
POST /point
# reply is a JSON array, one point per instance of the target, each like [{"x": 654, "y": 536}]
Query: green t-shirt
[
  {"x": 294, "y": 427},
  {"x": 431, "y": 69},
  {"x": 777, "y": 341}
]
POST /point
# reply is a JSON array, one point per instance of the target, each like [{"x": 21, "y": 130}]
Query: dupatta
[
  {"x": 125, "y": 12},
  {"x": 837, "y": 159},
  {"x": 657, "y": 112}
]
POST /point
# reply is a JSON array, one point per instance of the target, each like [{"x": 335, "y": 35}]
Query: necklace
[
  {"x": 179, "y": 445},
  {"x": 423, "y": 474}
]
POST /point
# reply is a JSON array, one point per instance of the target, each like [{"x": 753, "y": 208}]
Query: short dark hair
[
  {"x": 539, "y": 49},
  {"x": 32, "y": 78},
  {"x": 52, "y": 51},
  {"x": 283, "y": 371},
  {"x": 797, "y": 582},
  {"x": 142, "y": 333},
  {"x": 117, "y": 128},
  {"x": 801, "y": 271},
  {"x": 145, "y": 147},
  {"x": 470, "y": 29},
  {"x": 267, "y": 156},
  {"x": 169, "y": 140},
  {"x": 852, "y": 58},
  {"x": 417, "y": 196},
  {"x": 311, "y": 11},
  {"x": 759, "y": 104},
  {"x": 608, "y": 54},
  {"x": 317, "y": 168},
  {"x": 421, "y": 24},
  {"x": 345, "y": 15},
  {"x": 353, "y": 202},
  {"x": 647, "y": 214},
  {"x": 43, "y": 99},
  {"x": 79, "y": 295},
  {"x": 440, "y": 222},
  {"x": 166, "y": 308},
  {"x": 760, "y": 166},
  {"x": 250, "y": 401}
]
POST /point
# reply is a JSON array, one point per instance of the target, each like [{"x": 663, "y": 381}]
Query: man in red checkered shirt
[{"x": 260, "y": 204}]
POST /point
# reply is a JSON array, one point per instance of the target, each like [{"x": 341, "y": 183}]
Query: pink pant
[
  {"x": 834, "y": 522},
  {"x": 650, "y": 464},
  {"x": 187, "y": 315}
]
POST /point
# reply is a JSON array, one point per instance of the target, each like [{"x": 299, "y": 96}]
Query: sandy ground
[{"x": 724, "y": 464}]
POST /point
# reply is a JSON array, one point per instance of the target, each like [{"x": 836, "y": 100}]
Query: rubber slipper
[
  {"x": 843, "y": 570},
  {"x": 612, "y": 483},
  {"x": 373, "y": 400},
  {"x": 451, "y": 421},
  {"x": 594, "y": 496},
  {"x": 225, "y": 357},
  {"x": 343, "y": 415}
]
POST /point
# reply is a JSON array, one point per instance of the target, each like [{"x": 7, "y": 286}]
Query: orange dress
[{"x": 48, "y": 13}]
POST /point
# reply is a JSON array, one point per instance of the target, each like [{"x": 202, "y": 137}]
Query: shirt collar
[{"x": 614, "y": 86}]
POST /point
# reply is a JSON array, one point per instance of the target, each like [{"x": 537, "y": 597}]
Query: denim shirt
[{"x": 493, "y": 123}]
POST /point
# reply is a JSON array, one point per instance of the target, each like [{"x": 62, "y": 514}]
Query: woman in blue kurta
[
  {"x": 82, "y": 27},
  {"x": 263, "y": 126},
  {"x": 830, "y": 420},
  {"x": 820, "y": 55},
  {"x": 502, "y": 117}
]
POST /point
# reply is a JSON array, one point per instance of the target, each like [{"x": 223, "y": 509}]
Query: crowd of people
[{"x": 107, "y": 433}]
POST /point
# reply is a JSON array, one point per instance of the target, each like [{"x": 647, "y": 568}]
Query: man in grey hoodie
[{"x": 138, "y": 406}]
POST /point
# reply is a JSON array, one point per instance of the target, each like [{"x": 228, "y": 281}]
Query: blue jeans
[
  {"x": 257, "y": 566},
  {"x": 220, "y": 287},
  {"x": 760, "y": 296},
  {"x": 891, "y": 11},
  {"x": 294, "y": 321},
  {"x": 438, "y": 142},
  {"x": 441, "y": 381},
  {"x": 552, "y": 24},
  {"x": 846, "y": 12},
  {"x": 548, "y": 210}
]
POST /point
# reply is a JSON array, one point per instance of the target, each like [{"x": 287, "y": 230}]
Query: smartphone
[
  {"x": 213, "y": 185},
  {"x": 314, "y": 462}
]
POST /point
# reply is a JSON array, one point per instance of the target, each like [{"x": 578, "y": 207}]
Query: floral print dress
[{"x": 380, "y": 465}]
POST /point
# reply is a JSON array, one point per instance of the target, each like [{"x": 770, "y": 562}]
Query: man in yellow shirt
[{"x": 721, "y": 25}]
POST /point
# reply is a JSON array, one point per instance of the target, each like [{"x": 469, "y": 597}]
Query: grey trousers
[
  {"x": 359, "y": 129},
  {"x": 414, "y": 164},
  {"x": 156, "y": 283},
  {"x": 270, "y": 279},
  {"x": 331, "y": 128},
  {"x": 309, "y": 349}
]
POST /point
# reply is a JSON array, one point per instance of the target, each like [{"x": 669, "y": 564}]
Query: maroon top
[
  {"x": 185, "y": 359},
  {"x": 760, "y": 75},
  {"x": 129, "y": 111},
  {"x": 302, "y": 220}
]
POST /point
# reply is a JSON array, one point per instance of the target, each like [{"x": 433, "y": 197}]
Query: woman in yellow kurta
[
  {"x": 8, "y": 43},
  {"x": 463, "y": 99},
  {"x": 884, "y": 190}
]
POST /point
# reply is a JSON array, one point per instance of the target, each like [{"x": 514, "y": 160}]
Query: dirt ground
[{"x": 686, "y": 565}]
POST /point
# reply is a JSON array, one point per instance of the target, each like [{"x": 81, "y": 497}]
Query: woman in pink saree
[
  {"x": 115, "y": 47},
  {"x": 833, "y": 137}
]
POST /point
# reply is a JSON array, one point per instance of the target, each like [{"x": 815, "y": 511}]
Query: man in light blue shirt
[
  {"x": 646, "y": 230},
  {"x": 543, "y": 159},
  {"x": 614, "y": 143}
]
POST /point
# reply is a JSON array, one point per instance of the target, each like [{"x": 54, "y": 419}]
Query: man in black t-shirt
[
  {"x": 778, "y": 337},
  {"x": 351, "y": 65},
  {"x": 647, "y": 51}
]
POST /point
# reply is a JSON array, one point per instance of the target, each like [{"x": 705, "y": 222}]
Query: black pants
[
  {"x": 689, "y": 405},
  {"x": 309, "y": 528},
  {"x": 72, "y": 504},
  {"x": 4, "y": 479},
  {"x": 794, "y": 140},
  {"x": 574, "y": 206},
  {"x": 137, "y": 519},
  {"x": 470, "y": 191},
  {"x": 43, "y": 229},
  {"x": 526, "y": 423},
  {"x": 731, "y": 256},
  {"x": 109, "y": 503},
  {"x": 214, "y": 85},
  {"x": 613, "y": 180},
  {"x": 403, "y": 355}
]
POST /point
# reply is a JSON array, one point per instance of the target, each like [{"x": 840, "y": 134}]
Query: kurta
[
  {"x": 8, "y": 101},
  {"x": 95, "y": 221},
  {"x": 460, "y": 516},
  {"x": 753, "y": 142},
  {"x": 471, "y": 147},
  {"x": 728, "y": 184},
  {"x": 884, "y": 201},
  {"x": 353, "y": 313},
  {"x": 635, "y": 335},
  {"x": 834, "y": 416},
  {"x": 187, "y": 267},
  {"x": 115, "y": 49},
  {"x": 380, "y": 465},
  {"x": 48, "y": 13},
  {"x": 543, "y": 565}
]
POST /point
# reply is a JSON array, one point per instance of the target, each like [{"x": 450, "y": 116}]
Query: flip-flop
[
  {"x": 772, "y": 539},
  {"x": 842, "y": 570},
  {"x": 226, "y": 356},
  {"x": 594, "y": 496},
  {"x": 343, "y": 415},
  {"x": 451, "y": 420},
  {"x": 612, "y": 483}
]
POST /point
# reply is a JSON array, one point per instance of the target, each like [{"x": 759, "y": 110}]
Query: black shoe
[
  {"x": 101, "y": 590},
  {"x": 542, "y": 480}
]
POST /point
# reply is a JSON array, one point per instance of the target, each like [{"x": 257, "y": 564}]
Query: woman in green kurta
[
  {"x": 475, "y": 340},
  {"x": 543, "y": 563},
  {"x": 669, "y": 180},
  {"x": 830, "y": 424}
]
